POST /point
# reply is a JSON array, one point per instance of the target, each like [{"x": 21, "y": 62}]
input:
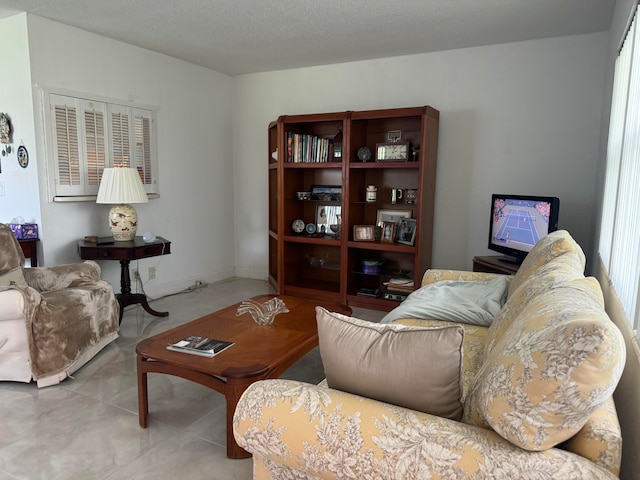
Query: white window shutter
[
  {"x": 142, "y": 146},
  {"x": 132, "y": 142},
  {"x": 120, "y": 125},
  {"x": 66, "y": 148},
  {"x": 94, "y": 143},
  {"x": 85, "y": 135}
]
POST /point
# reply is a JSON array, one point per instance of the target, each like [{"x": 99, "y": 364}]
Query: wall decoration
[
  {"x": 5, "y": 133},
  {"x": 23, "y": 156}
]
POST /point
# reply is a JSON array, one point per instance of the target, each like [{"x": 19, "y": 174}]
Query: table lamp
[{"x": 122, "y": 186}]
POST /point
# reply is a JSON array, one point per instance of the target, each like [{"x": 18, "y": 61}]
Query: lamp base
[{"x": 123, "y": 221}]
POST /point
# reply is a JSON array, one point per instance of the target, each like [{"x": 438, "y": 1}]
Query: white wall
[
  {"x": 515, "y": 118},
  {"x": 195, "y": 208},
  {"x": 21, "y": 184},
  {"x": 521, "y": 117}
]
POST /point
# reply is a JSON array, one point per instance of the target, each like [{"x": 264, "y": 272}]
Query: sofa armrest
[
  {"x": 600, "y": 440},
  {"x": 59, "y": 277},
  {"x": 438, "y": 275},
  {"x": 312, "y": 431}
]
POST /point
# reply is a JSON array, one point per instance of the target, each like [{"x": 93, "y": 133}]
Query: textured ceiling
[{"x": 246, "y": 36}]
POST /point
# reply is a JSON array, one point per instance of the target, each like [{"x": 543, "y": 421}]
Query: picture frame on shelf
[
  {"x": 406, "y": 231},
  {"x": 391, "y": 216},
  {"x": 363, "y": 233},
  {"x": 388, "y": 232},
  {"x": 328, "y": 193},
  {"x": 327, "y": 215}
]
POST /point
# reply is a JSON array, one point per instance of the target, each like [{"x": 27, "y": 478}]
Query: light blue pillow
[{"x": 474, "y": 303}]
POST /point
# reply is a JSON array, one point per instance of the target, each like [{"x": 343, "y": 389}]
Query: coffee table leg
[
  {"x": 233, "y": 391},
  {"x": 143, "y": 400}
]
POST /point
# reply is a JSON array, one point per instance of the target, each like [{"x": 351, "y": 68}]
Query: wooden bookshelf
[{"x": 326, "y": 266}]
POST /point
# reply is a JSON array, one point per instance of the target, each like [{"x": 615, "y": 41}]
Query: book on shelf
[
  {"x": 303, "y": 148},
  {"x": 399, "y": 285},
  {"x": 369, "y": 292},
  {"x": 203, "y": 346}
]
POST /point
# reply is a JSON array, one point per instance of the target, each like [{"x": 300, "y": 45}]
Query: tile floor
[{"x": 87, "y": 427}]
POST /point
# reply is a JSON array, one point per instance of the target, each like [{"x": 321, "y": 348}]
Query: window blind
[{"x": 619, "y": 245}]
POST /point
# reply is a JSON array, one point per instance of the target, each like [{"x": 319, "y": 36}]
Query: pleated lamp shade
[{"x": 122, "y": 186}]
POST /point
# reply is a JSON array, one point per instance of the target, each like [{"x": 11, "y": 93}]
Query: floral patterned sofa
[{"x": 535, "y": 389}]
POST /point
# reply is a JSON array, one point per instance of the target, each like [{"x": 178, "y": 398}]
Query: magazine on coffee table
[{"x": 203, "y": 346}]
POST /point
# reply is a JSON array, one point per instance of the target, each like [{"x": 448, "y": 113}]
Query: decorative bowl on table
[{"x": 262, "y": 313}]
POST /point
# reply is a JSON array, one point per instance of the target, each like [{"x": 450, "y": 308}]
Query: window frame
[{"x": 140, "y": 152}]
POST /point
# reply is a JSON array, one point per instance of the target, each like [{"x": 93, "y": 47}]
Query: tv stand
[
  {"x": 496, "y": 264},
  {"x": 510, "y": 260}
]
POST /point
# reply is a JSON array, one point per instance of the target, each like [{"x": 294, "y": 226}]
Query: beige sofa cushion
[
  {"x": 558, "y": 362},
  {"x": 413, "y": 367},
  {"x": 475, "y": 338}
]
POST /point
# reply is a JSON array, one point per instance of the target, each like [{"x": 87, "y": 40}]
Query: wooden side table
[
  {"x": 494, "y": 264},
  {"x": 108, "y": 249},
  {"x": 30, "y": 250}
]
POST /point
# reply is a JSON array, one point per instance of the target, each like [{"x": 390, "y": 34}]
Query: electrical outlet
[{"x": 152, "y": 273}]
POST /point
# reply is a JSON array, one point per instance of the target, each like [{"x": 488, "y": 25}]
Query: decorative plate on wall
[{"x": 23, "y": 156}]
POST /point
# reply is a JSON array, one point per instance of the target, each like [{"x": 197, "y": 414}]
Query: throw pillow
[
  {"x": 559, "y": 361},
  {"x": 12, "y": 277},
  {"x": 555, "y": 273},
  {"x": 473, "y": 303},
  {"x": 413, "y": 367},
  {"x": 553, "y": 245}
]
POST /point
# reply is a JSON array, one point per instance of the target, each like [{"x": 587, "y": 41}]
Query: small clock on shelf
[
  {"x": 393, "y": 152},
  {"x": 364, "y": 154}
]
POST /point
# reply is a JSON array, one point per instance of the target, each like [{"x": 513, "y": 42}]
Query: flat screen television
[{"x": 519, "y": 221}]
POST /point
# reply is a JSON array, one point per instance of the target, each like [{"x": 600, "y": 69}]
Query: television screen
[{"x": 519, "y": 221}]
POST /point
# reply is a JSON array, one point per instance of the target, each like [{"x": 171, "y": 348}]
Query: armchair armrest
[
  {"x": 59, "y": 277},
  {"x": 315, "y": 432},
  {"x": 18, "y": 301},
  {"x": 11, "y": 304},
  {"x": 437, "y": 275}
]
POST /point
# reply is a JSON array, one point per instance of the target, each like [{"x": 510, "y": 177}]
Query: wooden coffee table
[{"x": 260, "y": 352}]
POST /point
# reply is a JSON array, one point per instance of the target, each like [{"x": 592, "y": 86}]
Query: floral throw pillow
[{"x": 558, "y": 362}]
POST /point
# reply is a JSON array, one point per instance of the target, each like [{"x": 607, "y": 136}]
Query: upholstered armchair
[{"x": 53, "y": 320}]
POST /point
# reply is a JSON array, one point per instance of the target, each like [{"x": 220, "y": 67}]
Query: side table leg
[{"x": 125, "y": 297}]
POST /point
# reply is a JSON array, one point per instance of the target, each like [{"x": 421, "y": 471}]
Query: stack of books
[{"x": 398, "y": 288}]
